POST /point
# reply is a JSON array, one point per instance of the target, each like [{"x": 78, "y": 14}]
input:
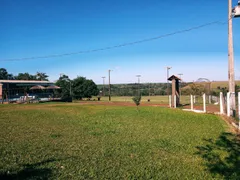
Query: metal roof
[{"x": 26, "y": 81}]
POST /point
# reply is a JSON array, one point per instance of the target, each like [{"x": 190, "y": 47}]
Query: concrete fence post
[
  {"x": 209, "y": 99},
  {"x": 228, "y": 104},
  {"x": 170, "y": 101},
  {"x": 192, "y": 102},
  {"x": 194, "y": 99},
  {"x": 221, "y": 103},
  {"x": 204, "y": 103},
  {"x": 175, "y": 101}
]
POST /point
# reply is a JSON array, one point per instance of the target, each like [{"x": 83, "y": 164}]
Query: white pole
[
  {"x": 170, "y": 100},
  {"x": 228, "y": 104},
  {"x": 221, "y": 103},
  {"x": 231, "y": 74},
  {"x": 192, "y": 102},
  {"x": 239, "y": 110},
  {"x": 209, "y": 99},
  {"x": 204, "y": 102},
  {"x": 175, "y": 101},
  {"x": 194, "y": 99}
]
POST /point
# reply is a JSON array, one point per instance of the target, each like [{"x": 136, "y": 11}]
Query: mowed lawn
[
  {"x": 72, "y": 141},
  {"x": 153, "y": 99}
]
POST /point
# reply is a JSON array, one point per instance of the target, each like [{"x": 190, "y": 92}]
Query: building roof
[
  {"x": 26, "y": 82},
  {"x": 173, "y": 77}
]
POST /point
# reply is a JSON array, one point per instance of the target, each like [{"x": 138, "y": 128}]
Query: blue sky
[{"x": 42, "y": 27}]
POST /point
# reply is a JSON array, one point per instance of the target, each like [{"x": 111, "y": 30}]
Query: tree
[
  {"x": 194, "y": 89},
  {"x": 41, "y": 76},
  {"x": 84, "y": 88},
  {"x": 25, "y": 76},
  {"x": 137, "y": 100},
  {"x": 64, "y": 83},
  {"x": 3, "y": 73}
]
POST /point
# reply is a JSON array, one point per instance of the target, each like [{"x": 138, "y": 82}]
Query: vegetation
[
  {"x": 146, "y": 89},
  {"x": 71, "y": 141},
  {"x": 65, "y": 84},
  {"x": 22, "y": 76},
  {"x": 84, "y": 88},
  {"x": 80, "y": 87},
  {"x": 137, "y": 100}
]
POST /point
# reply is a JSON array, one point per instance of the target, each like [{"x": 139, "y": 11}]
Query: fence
[{"x": 221, "y": 103}]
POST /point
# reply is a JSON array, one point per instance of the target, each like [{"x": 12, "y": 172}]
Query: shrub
[{"x": 137, "y": 100}]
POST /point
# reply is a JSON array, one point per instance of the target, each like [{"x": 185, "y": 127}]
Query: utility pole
[
  {"x": 149, "y": 91},
  {"x": 109, "y": 74},
  {"x": 103, "y": 86},
  {"x": 138, "y": 76},
  {"x": 231, "y": 78},
  {"x": 180, "y": 84},
  {"x": 168, "y": 68}
]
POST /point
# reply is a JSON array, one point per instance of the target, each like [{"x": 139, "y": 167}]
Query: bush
[{"x": 137, "y": 100}]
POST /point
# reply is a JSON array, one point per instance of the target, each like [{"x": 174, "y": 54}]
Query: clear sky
[{"x": 43, "y": 27}]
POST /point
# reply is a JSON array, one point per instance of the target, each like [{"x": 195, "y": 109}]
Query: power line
[{"x": 116, "y": 46}]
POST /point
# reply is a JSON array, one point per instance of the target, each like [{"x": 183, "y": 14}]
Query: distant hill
[{"x": 216, "y": 84}]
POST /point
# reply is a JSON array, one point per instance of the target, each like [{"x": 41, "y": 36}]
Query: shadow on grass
[
  {"x": 30, "y": 171},
  {"x": 222, "y": 156}
]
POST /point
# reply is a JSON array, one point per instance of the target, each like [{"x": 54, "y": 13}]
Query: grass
[
  {"x": 72, "y": 141},
  {"x": 153, "y": 99}
]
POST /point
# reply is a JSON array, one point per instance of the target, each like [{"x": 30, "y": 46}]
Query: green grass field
[
  {"x": 153, "y": 99},
  {"x": 72, "y": 141}
]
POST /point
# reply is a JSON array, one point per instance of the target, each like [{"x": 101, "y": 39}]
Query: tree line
[
  {"x": 77, "y": 88},
  {"x": 4, "y": 75}
]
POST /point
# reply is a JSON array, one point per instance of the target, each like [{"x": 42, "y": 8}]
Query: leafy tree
[
  {"x": 84, "y": 88},
  {"x": 3, "y": 73},
  {"x": 25, "y": 76},
  {"x": 137, "y": 100},
  {"x": 41, "y": 76},
  {"x": 64, "y": 83},
  {"x": 10, "y": 77},
  {"x": 194, "y": 89}
]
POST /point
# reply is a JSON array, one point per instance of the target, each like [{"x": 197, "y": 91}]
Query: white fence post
[
  {"x": 204, "y": 102},
  {"x": 194, "y": 99},
  {"x": 192, "y": 102},
  {"x": 221, "y": 103},
  {"x": 175, "y": 101},
  {"x": 209, "y": 99},
  {"x": 170, "y": 101},
  {"x": 239, "y": 110},
  {"x": 228, "y": 104}
]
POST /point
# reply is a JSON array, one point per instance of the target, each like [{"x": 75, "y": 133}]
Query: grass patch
[{"x": 61, "y": 141}]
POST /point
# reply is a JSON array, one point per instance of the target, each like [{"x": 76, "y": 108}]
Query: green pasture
[
  {"x": 73, "y": 141},
  {"x": 153, "y": 99}
]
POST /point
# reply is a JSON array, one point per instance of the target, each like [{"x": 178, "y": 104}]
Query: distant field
[
  {"x": 153, "y": 99},
  {"x": 73, "y": 141}
]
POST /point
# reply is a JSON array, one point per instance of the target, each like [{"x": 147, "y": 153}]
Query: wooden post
[
  {"x": 204, "y": 103},
  {"x": 221, "y": 103},
  {"x": 173, "y": 91}
]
